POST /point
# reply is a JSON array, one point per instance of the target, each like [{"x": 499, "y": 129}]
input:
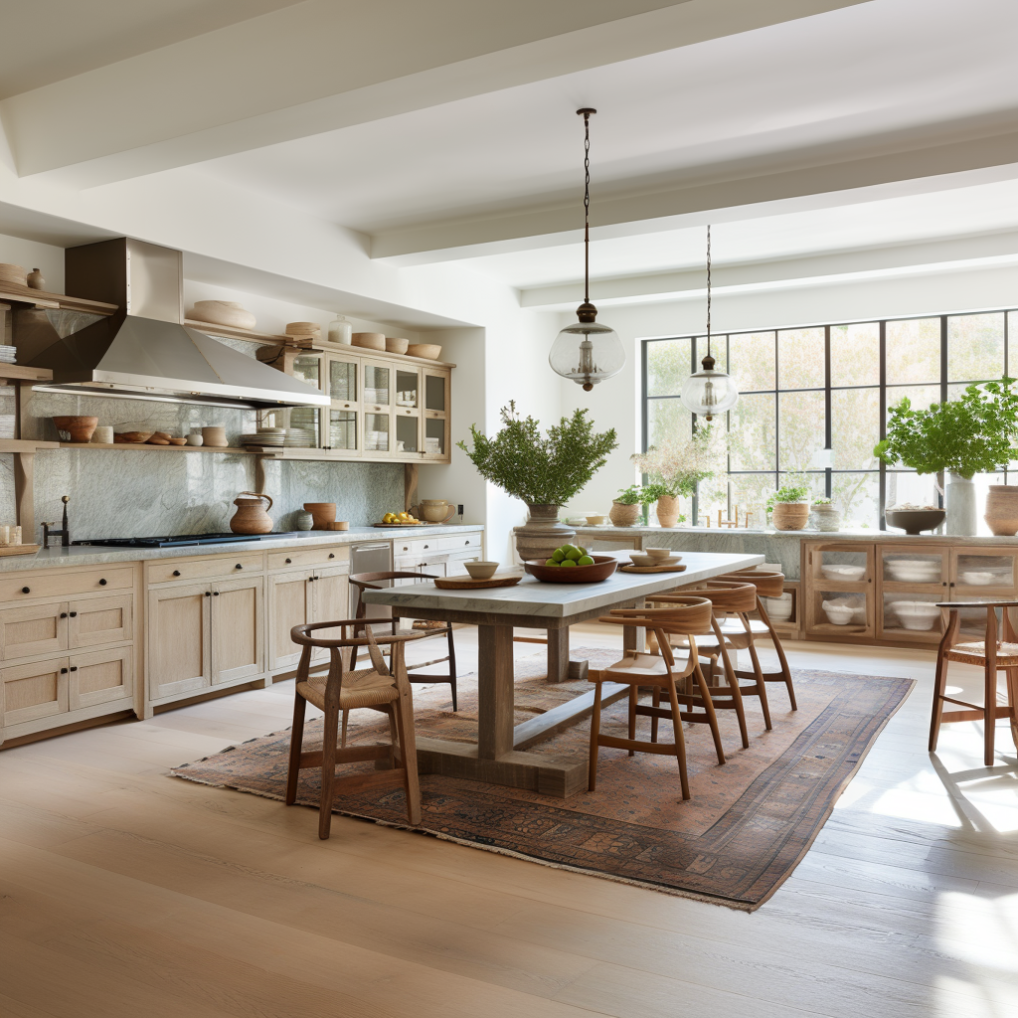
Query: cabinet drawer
[
  {"x": 321, "y": 556},
  {"x": 99, "y": 677},
  {"x": 30, "y": 692},
  {"x": 220, "y": 566},
  {"x": 94, "y": 621},
  {"x": 37, "y": 629},
  {"x": 461, "y": 542},
  {"x": 95, "y": 580}
]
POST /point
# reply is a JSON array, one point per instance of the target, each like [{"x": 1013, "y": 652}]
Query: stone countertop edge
[
  {"x": 802, "y": 535},
  {"x": 558, "y": 600},
  {"x": 82, "y": 555}
]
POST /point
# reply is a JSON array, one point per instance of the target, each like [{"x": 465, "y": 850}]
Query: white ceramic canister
[
  {"x": 195, "y": 437},
  {"x": 103, "y": 435},
  {"x": 340, "y": 331}
]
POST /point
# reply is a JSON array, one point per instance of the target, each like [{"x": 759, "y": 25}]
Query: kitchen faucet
[{"x": 64, "y": 533}]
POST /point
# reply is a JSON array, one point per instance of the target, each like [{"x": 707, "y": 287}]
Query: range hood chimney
[{"x": 143, "y": 351}]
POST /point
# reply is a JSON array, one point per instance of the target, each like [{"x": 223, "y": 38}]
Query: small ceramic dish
[
  {"x": 848, "y": 573},
  {"x": 977, "y": 579},
  {"x": 481, "y": 570},
  {"x": 594, "y": 520},
  {"x": 659, "y": 553},
  {"x": 649, "y": 560}
]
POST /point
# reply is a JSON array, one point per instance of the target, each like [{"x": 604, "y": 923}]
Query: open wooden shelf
[
  {"x": 145, "y": 447},
  {"x": 22, "y": 373},
  {"x": 249, "y": 336},
  {"x": 19, "y": 445},
  {"x": 42, "y": 298}
]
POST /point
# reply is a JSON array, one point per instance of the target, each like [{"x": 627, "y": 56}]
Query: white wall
[
  {"x": 616, "y": 403},
  {"x": 30, "y": 254}
]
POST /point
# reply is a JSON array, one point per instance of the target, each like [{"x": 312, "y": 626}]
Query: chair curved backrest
[
  {"x": 767, "y": 584},
  {"x": 727, "y": 595},
  {"x": 686, "y": 615}
]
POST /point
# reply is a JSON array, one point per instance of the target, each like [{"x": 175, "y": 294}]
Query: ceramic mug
[{"x": 103, "y": 434}]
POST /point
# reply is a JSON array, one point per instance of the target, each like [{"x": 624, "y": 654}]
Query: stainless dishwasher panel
[{"x": 371, "y": 558}]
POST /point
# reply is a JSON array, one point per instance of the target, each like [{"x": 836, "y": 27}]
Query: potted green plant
[
  {"x": 544, "y": 471},
  {"x": 676, "y": 466},
  {"x": 626, "y": 506},
  {"x": 960, "y": 438},
  {"x": 789, "y": 507},
  {"x": 824, "y": 515}
]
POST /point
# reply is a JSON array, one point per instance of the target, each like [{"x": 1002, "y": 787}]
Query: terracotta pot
[
  {"x": 79, "y": 428},
  {"x": 252, "y": 515},
  {"x": 1002, "y": 510},
  {"x": 668, "y": 510},
  {"x": 790, "y": 515},
  {"x": 323, "y": 513},
  {"x": 624, "y": 515},
  {"x": 542, "y": 533}
]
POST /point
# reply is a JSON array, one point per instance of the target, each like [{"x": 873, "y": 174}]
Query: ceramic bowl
[
  {"x": 132, "y": 437},
  {"x": 976, "y": 579},
  {"x": 603, "y": 567},
  {"x": 914, "y": 521},
  {"x": 323, "y": 513},
  {"x": 847, "y": 573},
  {"x": 659, "y": 554},
  {"x": 395, "y": 345},
  {"x": 779, "y": 608},
  {"x": 222, "y": 312},
  {"x": 369, "y": 340},
  {"x": 303, "y": 329},
  {"x": 916, "y": 615},
  {"x": 594, "y": 520},
  {"x": 648, "y": 560},
  {"x": 481, "y": 570},
  {"x": 13, "y": 274},
  {"x": 838, "y": 614},
  {"x": 80, "y": 429},
  {"x": 430, "y": 351},
  {"x": 913, "y": 570}
]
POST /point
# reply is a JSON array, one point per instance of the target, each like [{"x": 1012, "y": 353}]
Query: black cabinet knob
[
  {"x": 102, "y": 583},
  {"x": 215, "y": 593},
  {"x": 74, "y": 615},
  {"x": 427, "y": 546},
  {"x": 238, "y": 566},
  {"x": 176, "y": 572},
  {"x": 331, "y": 555},
  {"x": 63, "y": 671},
  {"x": 26, "y": 590},
  {"x": 63, "y": 615},
  {"x": 288, "y": 561},
  {"x": 74, "y": 668},
  {"x": 208, "y": 593}
]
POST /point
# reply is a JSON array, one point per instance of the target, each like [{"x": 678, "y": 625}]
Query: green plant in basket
[
  {"x": 633, "y": 495},
  {"x": 789, "y": 493}
]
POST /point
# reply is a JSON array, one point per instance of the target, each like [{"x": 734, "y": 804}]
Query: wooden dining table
[{"x": 500, "y": 754}]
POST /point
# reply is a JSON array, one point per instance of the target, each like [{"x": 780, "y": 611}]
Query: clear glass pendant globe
[
  {"x": 587, "y": 353},
  {"x": 709, "y": 393}
]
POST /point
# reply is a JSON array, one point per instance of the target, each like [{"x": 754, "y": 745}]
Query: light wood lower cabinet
[
  {"x": 297, "y": 598},
  {"x": 238, "y": 645}
]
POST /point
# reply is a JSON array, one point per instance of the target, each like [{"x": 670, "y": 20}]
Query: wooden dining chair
[
  {"x": 992, "y": 655},
  {"x": 687, "y": 617},
  {"x": 383, "y": 687}
]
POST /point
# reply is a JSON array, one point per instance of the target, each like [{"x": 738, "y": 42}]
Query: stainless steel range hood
[{"x": 143, "y": 351}]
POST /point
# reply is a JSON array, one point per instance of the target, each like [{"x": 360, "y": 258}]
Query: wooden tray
[
  {"x": 676, "y": 567},
  {"x": 466, "y": 583},
  {"x": 19, "y": 549}
]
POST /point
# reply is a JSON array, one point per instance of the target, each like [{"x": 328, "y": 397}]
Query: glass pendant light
[
  {"x": 587, "y": 352},
  {"x": 709, "y": 392}
]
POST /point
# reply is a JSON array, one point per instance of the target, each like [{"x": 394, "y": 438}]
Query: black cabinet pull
[
  {"x": 63, "y": 615},
  {"x": 331, "y": 555},
  {"x": 288, "y": 561},
  {"x": 215, "y": 593},
  {"x": 176, "y": 572},
  {"x": 74, "y": 668},
  {"x": 208, "y": 593},
  {"x": 74, "y": 615},
  {"x": 427, "y": 546},
  {"x": 102, "y": 583},
  {"x": 238, "y": 566},
  {"x": 26, "y": 590},
  {"x": 63, "y": 671}
]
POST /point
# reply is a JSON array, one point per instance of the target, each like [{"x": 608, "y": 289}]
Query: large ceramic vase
[
  {"x": 668, "y": 510},
  {"x": 622, "y": 515},
  {"x": 790, "y": 515},
  {"x": 960, "y": 503},
  {"x": 1002, "y": 510},
  {"x": 542, "y": 533},
  {"x": 252, "y": 515}
]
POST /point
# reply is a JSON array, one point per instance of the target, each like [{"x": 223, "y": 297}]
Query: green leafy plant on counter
[
  {"x": 966, "y": 436},
  {"x": 652, "y": 492},
  {"x": 540, "y": 469},
  {"x": 676, "y": 466},
  {"x": 789, "y": 493},
  {"x": 633, "y": 495},
  {"x": 822, "y": 501}
]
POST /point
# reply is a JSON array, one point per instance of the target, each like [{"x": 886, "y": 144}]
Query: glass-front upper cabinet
[
  {"x": 408, "y": 389},
  {"x": 343, "y": 387},
  {"x": 436, "y": 414},
  {"x": 377, "y": 393}
]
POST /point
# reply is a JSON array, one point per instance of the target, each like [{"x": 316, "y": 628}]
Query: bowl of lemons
[
  {"x": 572, "y": 564},
  {"x": 399, "y": 520}
]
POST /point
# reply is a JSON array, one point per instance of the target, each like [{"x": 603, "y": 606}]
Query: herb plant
[
  {"x": 789, "y": 494},
  {"x": 540, "y": 469},
  {"x": 822, "y": 501},
  {"x": 633, "y": 495},
  {"x": 971, "y": 435}
]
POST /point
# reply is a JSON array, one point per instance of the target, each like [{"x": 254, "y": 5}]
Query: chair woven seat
[
  {"x": 364, "y": 688},
  {"x": 975, "y": 653}
]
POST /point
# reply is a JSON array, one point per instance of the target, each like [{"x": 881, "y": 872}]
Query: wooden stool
[
  {"x": 992, "y": 655},
  {"x": 345, "y": 689},
  {"x": 688, "y": 617}
]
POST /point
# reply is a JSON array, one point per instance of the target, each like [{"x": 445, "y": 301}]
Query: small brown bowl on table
[{"x": 603, "y": 567}]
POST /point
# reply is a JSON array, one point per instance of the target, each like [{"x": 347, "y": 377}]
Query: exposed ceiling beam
[
  {"x": 322, "y": 65},
  {"x": 976, "y": 251}
]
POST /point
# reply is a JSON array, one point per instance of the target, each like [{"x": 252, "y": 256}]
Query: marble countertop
[
  {"x": 84, "y": 555},
  {"x": 560, "y": 600},
  {"x": 858, "y": 534}
]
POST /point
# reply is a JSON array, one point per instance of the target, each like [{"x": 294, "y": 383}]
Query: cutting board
[
  {"x": 674, "y": 568},
  {"x": 466, "y": 583},
  {"x": 18, "y": 549}
]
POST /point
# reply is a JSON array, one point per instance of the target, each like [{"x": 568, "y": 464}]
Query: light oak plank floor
[{"x": 123, "y": 892}]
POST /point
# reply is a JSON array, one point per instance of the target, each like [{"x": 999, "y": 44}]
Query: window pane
[
  {"x": 667, "y": 366},
  {"x": 855, "y": 428},
  {"x": 816, "y": 482},
  {"x": 667, "y": 418},
  {"x": 752, "y": 359},
  {"x": 855, "y": 354},
  {"x": 801, "y": 359},
  {"x": 975, "y": 347},
  {"x": 718, "y": 350},
  {"x": 752, "y": 434},
  {"x": 908, "y": 486},
  {"x": 1012, "y": 339},
  {"x": 913, "y": 351},
  {"x": 801, "y": 430},
  {"x": 857, "y": 496},
  {"x": 750, "y": 493},
  {"x": 921, "y": 396}
]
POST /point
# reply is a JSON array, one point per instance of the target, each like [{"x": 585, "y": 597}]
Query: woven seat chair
[
  {"x": 383, "y": 687},
  {"x": 687, "y": 617},
  {"x": 992, "y": 655},
  {"x": 731, "y": 600}
]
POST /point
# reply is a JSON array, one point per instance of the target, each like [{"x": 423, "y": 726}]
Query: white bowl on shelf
[
  {"x": 779, "y": 609},
  {"x": 917, "y": 615},
  {"x": 839, "y": 614},
  {"x": 914, "y": 570},
  {"x": 977, "y": 579},
  {"x": 849, "y": 574}
]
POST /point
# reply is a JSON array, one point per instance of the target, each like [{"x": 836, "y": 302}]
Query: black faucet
[{"x": 64, "y": 533}]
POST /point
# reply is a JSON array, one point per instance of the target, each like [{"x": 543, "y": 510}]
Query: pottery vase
[
  {"x": 825, "y": 518},
  {"x": 1002, "y": 510},
  {"x": 790, "y": 515},
  {"x": 542, "y": 533},
  {"x": 35, "y": 280},
  {"x": 960, "y": 503},
  {"x": 624, "y": 515},
  {"x": 668, "y": 510},
  {"x": 303, "y": 520},
  {"x": 79, "y": 429},
  {"x": 252, "y": 515}
]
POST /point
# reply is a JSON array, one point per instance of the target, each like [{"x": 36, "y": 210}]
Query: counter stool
[
  {"x": 374, "y": 581},
  {"x": 992, "y": 655},
  {"x": 381, "y": 687},
  {"x": 767, "y": 585},
  {"x": 687, "y": 617}
]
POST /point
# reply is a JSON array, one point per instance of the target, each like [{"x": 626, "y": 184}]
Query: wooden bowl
[
  {"x": 430, "y": 351},
  {"x": 394, "y": 345},
  {"x": 14, "y": 274},
  {"x": 303, "y": 329},
  {"x": 222, "y": 312},
  {"x": 80, "y": 429},
  {"x": 323, "y": 514},
  {"x": 132, "y": 437},
  {"x": 603, "y": 567},
  {"x": 481, "y": 570},
  {"x": 369, "y": 340}
]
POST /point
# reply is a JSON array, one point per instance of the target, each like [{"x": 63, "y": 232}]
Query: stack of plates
[
  {"x": 264, "y": 439},
  {"x": 7, "y": 354},
  {"x": 299, "y": 438}
]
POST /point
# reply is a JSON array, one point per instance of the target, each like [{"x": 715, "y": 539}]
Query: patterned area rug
[{"x": 746, "y": 827}]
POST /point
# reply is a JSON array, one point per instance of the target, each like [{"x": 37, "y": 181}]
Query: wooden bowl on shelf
[
  {"x": 603, "y": 567},
  {"x": 430, "y": 351},
  {"x": 80, "y": 429},
  {"x": 132, "y": 437},
  {"x": 369, "y": 340},
  {"x": 222, "y": 312},
  {"x": 13, "y": 274},
  {"x": 396, "y": 345}
]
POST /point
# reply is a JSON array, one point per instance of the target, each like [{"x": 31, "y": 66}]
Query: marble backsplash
[{"x": 135, "y": 493}]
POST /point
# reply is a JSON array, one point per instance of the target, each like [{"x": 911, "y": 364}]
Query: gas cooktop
[{"x": 181, "y": 540}]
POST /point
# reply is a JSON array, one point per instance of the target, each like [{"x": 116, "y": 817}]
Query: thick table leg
[
  {"x": 635, "y": 637},
  {"x": 494, "y": 691},
  {"x": 558, "y": 654}
]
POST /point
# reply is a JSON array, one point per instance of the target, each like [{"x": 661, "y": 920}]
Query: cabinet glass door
[
  {"x": 408, "y": 385},
  {"x": 343, "y": 380},
  {"x": 307, "y": 368},
  {"x": 840, "y": 601},
  {"x": 408, "y": 430},
  {"x": 377, "y": 392},
  {"x": 376, "y": 432},
  {"x": 436, "y": 440},
  {"x": 436, "y": 391},
  {"x": 343, "y": 430}
]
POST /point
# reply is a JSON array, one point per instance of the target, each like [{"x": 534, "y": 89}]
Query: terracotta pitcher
[
  {"x": 434, "y": 510},
  {"x": 252, "y": 517}
]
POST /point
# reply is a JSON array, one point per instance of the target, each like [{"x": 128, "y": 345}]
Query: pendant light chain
[
  {"x": 708, "y": 289},
  {"x": 586, "y": 205}
]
